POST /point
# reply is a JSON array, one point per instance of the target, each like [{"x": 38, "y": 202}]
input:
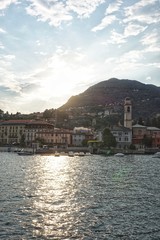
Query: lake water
[{"x": 91, "y": 197}]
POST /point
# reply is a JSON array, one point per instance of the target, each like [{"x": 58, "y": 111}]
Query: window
[{"x": 139, "y": 132}]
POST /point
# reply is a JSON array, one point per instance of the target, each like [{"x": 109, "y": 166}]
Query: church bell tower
[{"x": 127, "y": 113}]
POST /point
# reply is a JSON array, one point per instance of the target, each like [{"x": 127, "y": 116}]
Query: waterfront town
[{"x": 42, "y": 134}]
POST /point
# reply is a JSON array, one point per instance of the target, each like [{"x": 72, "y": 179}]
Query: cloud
[
  {"x": 141, "y": 12},
  {"x": 56, "y": 12},
  {"x": 114, "y": 7},
  {"x": 133, "y": 29},
  {"x": 2, "y": 30},
  {"x": 1, "y": 46},
  {"x": 129, "y": 30},
  {"x": 116, "y": 38},
  {"x": 29, "y": 87},
  {"x": 106, "y": 21},
  {"x": 83, "y": 8},
  {"x": 53, "y": 12},
  {"x": 5, "y": 3},
  {"x": 131, "y": 10},
  {"x": 7, "y": 77},
  {"x": 151, "y": 41}
]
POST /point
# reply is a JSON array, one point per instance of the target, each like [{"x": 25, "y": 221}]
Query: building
[
  {"x": 128, "y": 113},
  {"x": 12, "y": 131},
  {"x": 81, "y": 134},
  {"x": 144, "y": 136},
  {"x": 56, "y": 138},
  {"x": 123, "y": 137},
  {"x": 154, "y": 134},
  {"x": 22, "y": 131},
  {"x": 34, "y": 131}
]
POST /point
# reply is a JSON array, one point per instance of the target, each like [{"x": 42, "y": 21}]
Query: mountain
[{"x": 145, "y": 97}]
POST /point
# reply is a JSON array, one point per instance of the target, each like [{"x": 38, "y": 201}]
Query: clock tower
[{"x": 127, "y": 113}]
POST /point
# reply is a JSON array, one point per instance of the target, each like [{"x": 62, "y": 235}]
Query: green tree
[
  {"x": 108, "y": 138},
  {"x": 147, "y": 141},
  {"x": 140, "y": 121},
  {"x": 84, "y": 143},
  {"x": 48, "y": 113},
  {"x": 22, "y": 141}
]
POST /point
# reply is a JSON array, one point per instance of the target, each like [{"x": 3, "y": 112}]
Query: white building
[{"x": 123, "y": 137}]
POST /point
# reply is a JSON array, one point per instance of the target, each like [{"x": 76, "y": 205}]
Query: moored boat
[
  {"x": 71, "y": 154},
  {"x": 25, "y": 153},
  {"x": 156, "y": 155},
  {"x": 88, "y": 154},
  {"x": 81, "y": 154},
  {"x": 57, "y": 154},
  {"x": 119, "y": 155}
]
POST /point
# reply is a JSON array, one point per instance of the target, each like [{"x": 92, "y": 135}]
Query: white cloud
[
  {"x": 117, "y": 38},
  {"x": 56, "y": 12},
  {"x": 132, "y": 56},
  {"x": 1, "y": 46},
  {"x": 131, "y": 10},
  {"x": 8, "y": 78},
  {"x": 129, "y": 30},
  {"x": 2, "y": 30},
  {"x": 152, "y": 49},
  {"x": 138, "y": 12},
  {"x": 53, "y": 12},
  {"x": 114, "y": 7},
  {"x": 144, "y": 18},
  {"x": 151, "y": 42},
  {"x": 84, "y": 8},
  {"x": 150, "y": 39},
  {"x": 5, "y": 3},
  {"x": 107, "y": 20},
  {"x": 133, "y": 29}
]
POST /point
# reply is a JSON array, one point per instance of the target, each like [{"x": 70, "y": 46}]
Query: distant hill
[{"x": 145, "y": 97}]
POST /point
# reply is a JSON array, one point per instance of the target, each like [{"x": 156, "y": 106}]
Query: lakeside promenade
[{"x": 83, "y": 149}]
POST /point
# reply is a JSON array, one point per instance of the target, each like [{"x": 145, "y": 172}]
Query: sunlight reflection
[{"x": 51, "y": 194}]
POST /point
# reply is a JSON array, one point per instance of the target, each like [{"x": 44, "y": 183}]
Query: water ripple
[{"x": 87, "y": 198}]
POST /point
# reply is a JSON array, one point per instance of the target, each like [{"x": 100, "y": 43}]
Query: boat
[
  {"x": 156, "y": 155},
  {"x": 81, "y": 154},
  {"x": 57, "y": 154},
  {"x": 71, "y": 154},
  {"x": 76, "y": 154},
  {"x": 25, "y": 153},
  {"x": 119, "y": 155},
  {"x": 88, "y": 154}
]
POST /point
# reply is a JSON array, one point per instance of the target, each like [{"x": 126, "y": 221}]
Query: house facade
[
  {"x": 81, "y": 134},
  {"x": 56, "y": 138},
  {"x": 22, "y": 131},
  {"x": 12, "y": 131},
  {"x": 141, "y": 134},
  {"x": 123, "y": 137}
]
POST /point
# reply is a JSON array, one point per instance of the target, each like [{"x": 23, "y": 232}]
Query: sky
[{"x": 51, "y": 50}]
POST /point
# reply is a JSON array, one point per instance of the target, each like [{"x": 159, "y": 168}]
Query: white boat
[
  {"x": 57, "y": 154},
  {"x": 88, "y": 154},
  {"x": 81, "y": 154},
  {"x": 25, "y": 153},
  {"x": 156, "y": 155},
  {"x": 119, "y": 155},
  {"x": 76, "y": 154},
  {"x": 71, "y": 154}
]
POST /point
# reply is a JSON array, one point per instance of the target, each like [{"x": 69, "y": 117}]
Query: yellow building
[
  {"x": 22, "y": 131},
  {"x": 11, "y": 131},
  {"x": 57, "y": 137}
]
